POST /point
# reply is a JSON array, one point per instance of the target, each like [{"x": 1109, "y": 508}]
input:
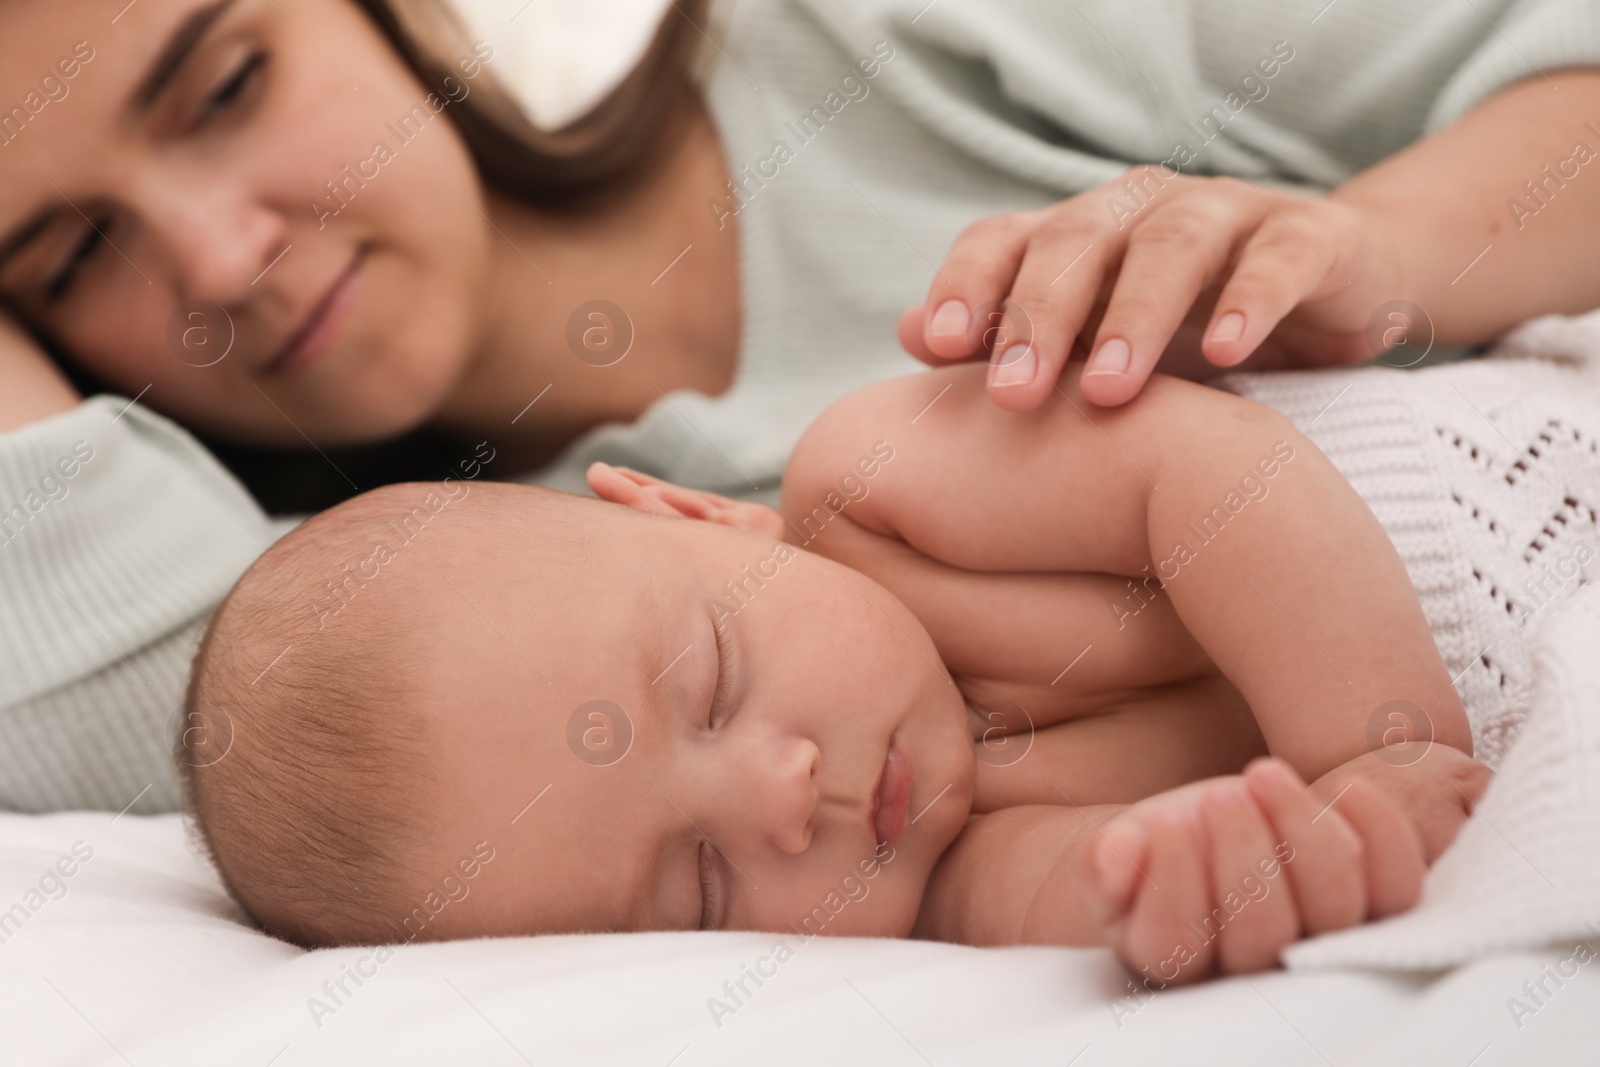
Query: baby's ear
[{"x": 632, "y": 489}]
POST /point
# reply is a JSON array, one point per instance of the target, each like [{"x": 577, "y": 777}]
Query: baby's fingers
[
  {"x": 1322, "y": 856},
  {"x": 1250, "y": 920},
  {"x": 1393, "y": 848},
  {"x": 1168, "y": 890}
]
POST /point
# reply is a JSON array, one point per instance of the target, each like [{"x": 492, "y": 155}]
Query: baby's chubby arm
[
  {"x": 1271, "y": 560},
  {"x": 1216, "y": 876}
]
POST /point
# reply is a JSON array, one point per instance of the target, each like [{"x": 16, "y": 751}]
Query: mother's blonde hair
[{"x": 597, "y": 154}]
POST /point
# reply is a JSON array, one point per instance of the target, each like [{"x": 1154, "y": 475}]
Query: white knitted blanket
[{"x": 1525, "y": 871}]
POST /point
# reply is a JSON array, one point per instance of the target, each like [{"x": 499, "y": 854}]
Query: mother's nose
[{"x": 219, "y": 238}]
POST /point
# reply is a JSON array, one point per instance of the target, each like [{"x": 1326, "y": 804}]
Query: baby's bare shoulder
[
  {"x": 843, "y": 452},
  {"x": 950, "y": 408},
  {"x": 946, "y": 439}
]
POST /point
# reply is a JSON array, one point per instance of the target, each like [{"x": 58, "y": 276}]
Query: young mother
[{"x": 307, "y": 224}]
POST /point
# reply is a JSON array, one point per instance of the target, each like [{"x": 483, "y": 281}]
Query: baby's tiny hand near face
[{"x": 1218, "y": 877}]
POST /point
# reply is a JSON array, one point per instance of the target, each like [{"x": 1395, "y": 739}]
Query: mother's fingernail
[
  {"x": 1016, "y": 366},
  {"x": 1112, "y": 358},
  {"x": 1228, "y": 328},
  {"x": 950, "y": 320}
]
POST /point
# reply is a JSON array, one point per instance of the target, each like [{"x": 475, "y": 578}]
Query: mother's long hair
[{"x": 584, "y": 161}]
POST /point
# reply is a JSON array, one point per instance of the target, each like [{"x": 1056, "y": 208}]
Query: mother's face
[{"x": 271, "y": 158}]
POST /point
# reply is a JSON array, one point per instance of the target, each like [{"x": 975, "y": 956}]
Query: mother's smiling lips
[
  {"x": 320, "y": 326},
  {"x": 893, "y": 794}
]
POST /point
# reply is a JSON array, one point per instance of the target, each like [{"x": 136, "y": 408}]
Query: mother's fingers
[
  {"x": 1072, "y": 256},
  {"x": 1279, "y": 267},
  {"x": 977, "y": 273},
  {"x": 1018, "y": 288},
  {"x": 910, "y": 332},
  {"x": 1022, "y": 289},
  {"x": 1055, "y": 290},
  {"x": 1173, "y": 255}
]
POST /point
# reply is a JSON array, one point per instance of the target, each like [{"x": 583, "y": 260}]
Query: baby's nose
[{"x": 785, "y": 792}]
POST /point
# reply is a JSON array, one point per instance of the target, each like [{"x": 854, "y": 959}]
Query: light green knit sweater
[{"x": 864, "y": 134}]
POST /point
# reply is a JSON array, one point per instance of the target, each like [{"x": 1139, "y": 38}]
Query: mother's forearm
[{"x": 1479, "y": 248}]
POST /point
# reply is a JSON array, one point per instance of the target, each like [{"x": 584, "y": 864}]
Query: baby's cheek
[{"x": 877, "y": 896}]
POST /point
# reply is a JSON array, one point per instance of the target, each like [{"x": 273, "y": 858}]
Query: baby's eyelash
[
  {"x": 719, "y": 699},
  {"x": 708, "y": 888}
]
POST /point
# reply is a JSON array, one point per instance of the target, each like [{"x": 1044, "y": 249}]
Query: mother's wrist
[
  {"x": 31, "y": 387},
  {"x": 1388, "y": 243},
  {"x": 23, "y": 404}
]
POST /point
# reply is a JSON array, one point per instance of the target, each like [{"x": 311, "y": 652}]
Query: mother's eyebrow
[
  {"x": 157, "y": 77},
  {"x": 182, "y": 42}
]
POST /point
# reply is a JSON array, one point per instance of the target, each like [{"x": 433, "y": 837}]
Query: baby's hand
[
  {"x": 1435, "y": 785},
  {"x": 1219, "y": 876}
]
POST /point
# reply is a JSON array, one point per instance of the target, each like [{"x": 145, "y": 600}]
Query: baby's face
[{"x": 647, "y": 747}]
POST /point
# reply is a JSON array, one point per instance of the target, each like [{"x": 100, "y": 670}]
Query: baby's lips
[{"x": 893, "y": 793}]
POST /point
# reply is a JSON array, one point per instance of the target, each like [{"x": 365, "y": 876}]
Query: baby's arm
[
  {"x": 1272, "y": 561},
  {"x": 1216, "y": 876}
]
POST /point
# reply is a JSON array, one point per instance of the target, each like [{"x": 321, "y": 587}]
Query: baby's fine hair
[{"x": 301, "y": 750}]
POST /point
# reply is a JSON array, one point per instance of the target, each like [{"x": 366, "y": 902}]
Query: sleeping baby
[{"x": 994, "y": 678}]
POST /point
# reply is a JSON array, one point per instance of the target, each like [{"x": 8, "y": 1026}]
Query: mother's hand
[
  {"x": 1167, "y": 265},
  {"x": 31, "y": 387}
]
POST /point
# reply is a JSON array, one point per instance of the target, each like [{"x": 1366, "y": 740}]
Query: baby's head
[{"x": 515, "y": 711}]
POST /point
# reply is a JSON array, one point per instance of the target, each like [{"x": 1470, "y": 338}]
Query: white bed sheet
[{"x": 143, "y": 960}]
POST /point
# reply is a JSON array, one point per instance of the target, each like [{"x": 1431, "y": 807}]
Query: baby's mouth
[{"x": 892, "y": 796}]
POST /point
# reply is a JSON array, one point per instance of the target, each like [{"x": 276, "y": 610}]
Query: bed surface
[{"x": 139, "y": 958}]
